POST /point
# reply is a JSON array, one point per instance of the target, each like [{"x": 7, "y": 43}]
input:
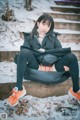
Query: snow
[
  {"x": 50, "y": 108},
  {"x": 74, "y": 46},
  {"x": 7, "y": 69},
  {"x": 9, "y": 33},
  {"x": 65, "y": 21},
  {"x": 10, "y": 40},
  {"x": 67, "y": 31},
  {"x": 57, "y": 12},
  {"x": 65, "y": 6}
]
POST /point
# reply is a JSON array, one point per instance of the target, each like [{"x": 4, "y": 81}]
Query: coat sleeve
[
  {"x": 59, "y": 51},
  {"x": 26, "y": 40}
]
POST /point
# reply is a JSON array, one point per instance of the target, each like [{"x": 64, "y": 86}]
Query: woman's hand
[
  {"x": 42, "y": 50},
  {"x": 66, "y": 68}
]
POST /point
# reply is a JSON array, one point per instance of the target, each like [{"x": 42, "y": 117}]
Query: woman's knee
[{"x": 71, "y": 56}]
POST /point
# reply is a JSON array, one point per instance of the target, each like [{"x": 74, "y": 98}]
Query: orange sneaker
[
  {"x": 16, "y": 94},
  {"x": 73, "y": 94}
]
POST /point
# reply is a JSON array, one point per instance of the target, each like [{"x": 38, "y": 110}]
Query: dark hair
[{"x": 44, "y": 18}]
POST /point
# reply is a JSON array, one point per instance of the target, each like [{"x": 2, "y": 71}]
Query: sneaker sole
[
  {"x": 23, "y": 94},
  {"x": 12, "y": 105},
  {"x": 18, "y": 99},
  {"x": 71, "y": 96}
]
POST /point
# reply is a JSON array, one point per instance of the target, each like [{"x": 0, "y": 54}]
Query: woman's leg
[
  {"x": 71, "y": 61},
  {"x": 26, "y": 58}
]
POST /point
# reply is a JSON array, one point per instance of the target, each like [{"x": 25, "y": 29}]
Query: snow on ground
[
  {"x": 50, "y": 108},
  {"x": 67, "y": 31},
  {"x": 72, "y": 45},
  {"x": 9, "y": 31},
  {"x": 65, "y": 21},
  {"x": 7, "y": 72}
]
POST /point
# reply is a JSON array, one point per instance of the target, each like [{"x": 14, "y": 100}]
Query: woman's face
[{"x": 43, "y": 28}]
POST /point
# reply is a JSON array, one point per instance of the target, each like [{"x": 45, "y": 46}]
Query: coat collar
[{"x": 44, "y": 40}]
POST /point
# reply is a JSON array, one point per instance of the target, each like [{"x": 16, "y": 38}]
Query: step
[
  {"x": 73, "y": 46},
  {"x": 70, "y": 9},
  {"x": 9, "y": 55},
  {"x": 68, "y": 36},
  {"x": 43, "y": 90},
  {"x": 67, "y": 16},
  {"x": 66, "y": 24},
  {"x": 67, "y": 2}
]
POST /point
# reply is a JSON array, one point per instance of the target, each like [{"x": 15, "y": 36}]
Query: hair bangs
[
  {"x": 48, "y": 22},
  {"x": 45, "y": 18}
]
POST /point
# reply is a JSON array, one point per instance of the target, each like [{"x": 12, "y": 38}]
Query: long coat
[{"x": 53, "y": 47}]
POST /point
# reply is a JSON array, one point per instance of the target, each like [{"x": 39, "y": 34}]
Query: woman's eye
[{"x": 43, "y": 23}]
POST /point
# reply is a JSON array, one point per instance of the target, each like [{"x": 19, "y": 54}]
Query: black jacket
[
  {"x": 49, "y": 42},
  {"x": 52, "y": 46}
]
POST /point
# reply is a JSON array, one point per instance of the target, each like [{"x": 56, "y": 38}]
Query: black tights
[
  {"x": 71, "y": 61},
  {"x": 26, "y": 57}
]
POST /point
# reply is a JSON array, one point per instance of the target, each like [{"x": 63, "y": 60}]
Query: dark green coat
[
  {"x": 52, "y": 46},
  {"x": 49, "y": 42}
]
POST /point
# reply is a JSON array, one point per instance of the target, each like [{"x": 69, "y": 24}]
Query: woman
[{"x": 42, "y": 38}]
